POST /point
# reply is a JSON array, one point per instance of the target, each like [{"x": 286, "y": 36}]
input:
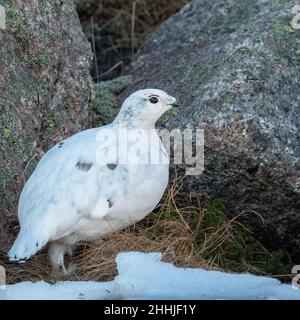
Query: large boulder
[
  {"x": 235, "y": 68},
  {"x": 45, "y": 89}
]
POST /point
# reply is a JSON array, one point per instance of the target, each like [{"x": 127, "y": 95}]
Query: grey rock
[
  {"x": 45, "y": 89},
  {"x": 235, "y": 68}
]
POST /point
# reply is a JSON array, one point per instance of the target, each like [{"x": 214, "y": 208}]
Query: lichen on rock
[{"x": 45, "y": 89}]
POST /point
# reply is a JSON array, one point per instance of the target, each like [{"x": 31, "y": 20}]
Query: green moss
[
  {"x": 7, "y": 179},
  {"x": 214, "y": 215},
  {"x": 274, "y": 263},
  {"x": 41, "y": 32},
  {"x": 239, "y": 12},
  {"x": 39, "y": 59},
  {"x": 10, "y": 145},
  {"x": 14, "y": 60},
  {"x": 6, "y": 133},
  {"x": 104, "y": 104},
  {"x": 47, "y": 8},
  {"x": 206, "y": 71},
  {"x": 10, "y": 83},
  {"x": 201, "y": 72},
  {"x": 257, "y": 38},
  {"x": 170, "y": 114},
  {"x": 261, "y": 109},
  {"x": 9, "y": 136},
  {"x": 238, "y": 249},
  {"x": 8, "y": 121},
  {"x": 286, "y": 41},
  {"x": 245, "y": 59},
  {"x": 18, "y": 148},
  {"x": 25, "y": 85},
  {"x": 19, "y": 85},
  {"x": 16, "y": 20},
  {"x": 43, "y": 88},
  {"x": 51, "y": 122},
  {"x": 244, "y": 52},
  {"x": 282, "y": 27},
  {"x": 240, "y": 55},
  {"x": 228, "y": 97},
  {"x": 276, "y": 5},
  {"x": 156, "y": 233},
  {"x": 6, "y": 176}
]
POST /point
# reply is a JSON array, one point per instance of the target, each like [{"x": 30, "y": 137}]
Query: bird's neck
[{"x": 123, "y": 120}]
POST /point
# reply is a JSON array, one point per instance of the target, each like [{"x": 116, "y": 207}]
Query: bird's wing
[{"x": 70, "y": 182}]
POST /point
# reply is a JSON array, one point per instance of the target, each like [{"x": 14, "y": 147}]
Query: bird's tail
[{"x": 24, "y": 247}]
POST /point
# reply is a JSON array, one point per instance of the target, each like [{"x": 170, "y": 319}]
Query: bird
[{"x": 96, "y": 182}]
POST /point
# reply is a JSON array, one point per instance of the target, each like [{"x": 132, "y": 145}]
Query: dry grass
[
  {"x": 97, "y": 262},
  {"x": 174, "y": 239},
  {"x": 188, "y": 234}
]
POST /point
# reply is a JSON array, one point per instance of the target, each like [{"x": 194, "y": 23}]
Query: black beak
[{"x": 175, "y": 105}]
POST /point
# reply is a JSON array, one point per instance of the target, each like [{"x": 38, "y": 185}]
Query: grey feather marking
[
  {"x": 111, "y": 166},
  {"x": 83, "y": 166},
  {"x": 109, "y": 203}
]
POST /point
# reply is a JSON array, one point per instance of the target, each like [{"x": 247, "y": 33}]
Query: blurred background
[{"x": 116, "y": 29}]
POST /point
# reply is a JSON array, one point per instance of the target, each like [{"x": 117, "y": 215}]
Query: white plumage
[{"x": 81, "y": 190}]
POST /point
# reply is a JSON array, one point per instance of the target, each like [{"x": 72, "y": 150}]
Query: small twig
[
  {"x": 120, "y": 63},
  {"x": 133, "y": 26},
  {"x": 28, "y": 163},
  {"x": 94, "y": 48}
]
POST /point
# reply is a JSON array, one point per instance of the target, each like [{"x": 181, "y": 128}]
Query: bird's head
[{"x": 146, "y": 107}]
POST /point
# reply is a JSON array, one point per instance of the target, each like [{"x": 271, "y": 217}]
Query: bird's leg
[{"x": 56, "y": 255}]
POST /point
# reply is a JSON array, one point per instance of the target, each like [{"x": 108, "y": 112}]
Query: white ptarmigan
[{"x": 83, "y": 190}]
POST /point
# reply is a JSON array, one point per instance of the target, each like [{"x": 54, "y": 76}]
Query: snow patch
[{"x": 144, "y": 276}]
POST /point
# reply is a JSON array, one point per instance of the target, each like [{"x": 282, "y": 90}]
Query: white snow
[
  {"x": 144, "y": 276},
  {"x": 65, "y": 290}
]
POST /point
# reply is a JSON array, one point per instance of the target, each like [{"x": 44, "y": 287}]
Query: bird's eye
[{"x": 153, "y": 100}]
